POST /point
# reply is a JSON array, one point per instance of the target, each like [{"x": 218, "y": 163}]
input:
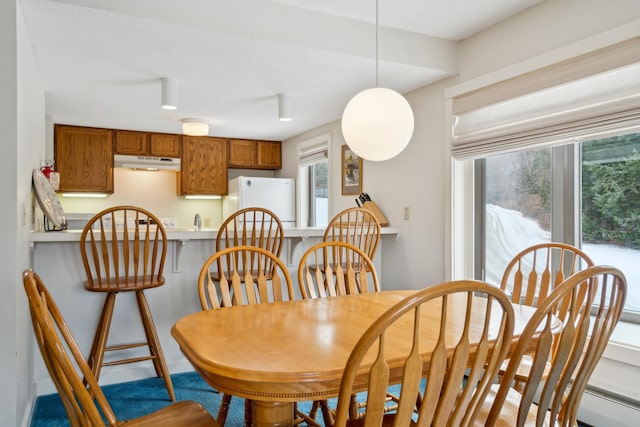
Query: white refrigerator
[{"x": 276, "y": 194}]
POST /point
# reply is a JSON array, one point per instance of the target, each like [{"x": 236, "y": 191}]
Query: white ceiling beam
[{"x": 294, "y": 26}]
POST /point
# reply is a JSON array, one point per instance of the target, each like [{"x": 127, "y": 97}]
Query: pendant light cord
[{"x": 377, "y": 36}]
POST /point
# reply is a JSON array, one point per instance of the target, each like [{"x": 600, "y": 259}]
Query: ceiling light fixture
[
  {"x": 284, "y": 108},
  {"x": 195, "y": 127},
  {"x": 377, "y": 123},
  {"x": 169, "y": 93}
]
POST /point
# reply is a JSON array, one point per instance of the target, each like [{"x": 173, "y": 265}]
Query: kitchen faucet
[{"x": 197, "y": 221}]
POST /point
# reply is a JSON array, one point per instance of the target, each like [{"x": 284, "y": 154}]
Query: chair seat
[
  {"x": 509, "y": 411},
  {"x": 123, "y": 285},
  {"x": 524, "y": 368},
  {"x": 185, "y": 413}
]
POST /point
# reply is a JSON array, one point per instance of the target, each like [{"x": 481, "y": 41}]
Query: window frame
[
  {"x": 566, "y": 190},
  {"x": 310, "y": 148}
]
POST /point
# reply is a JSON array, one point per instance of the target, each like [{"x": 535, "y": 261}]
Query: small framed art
[{"x": 351, "y": 172}]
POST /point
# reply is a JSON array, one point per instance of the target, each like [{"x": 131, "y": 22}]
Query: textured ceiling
[{"x": 101, "y": 61}]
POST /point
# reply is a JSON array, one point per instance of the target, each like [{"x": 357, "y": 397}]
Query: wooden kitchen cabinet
[
  {"x": 269, "y": 155},
  {"x": 243, "y": 153},
  {"x": 203, "y": 167},
  {"x": 132, "y": 142},
  {"x": 84, "y": 158},
  {"x": 165, "y": 144},
  {"x": 254, "y": 154},
  {"x": 147, "y": 143}
]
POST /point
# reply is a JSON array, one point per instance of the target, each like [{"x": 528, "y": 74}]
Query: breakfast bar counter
[{"x": 55, "y": 256}]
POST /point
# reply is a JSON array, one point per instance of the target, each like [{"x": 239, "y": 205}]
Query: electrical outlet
[
  {"x": 207, "y": 222},
  {"x": 169, "y": 222},
  {"x": 405, "y": 213}
]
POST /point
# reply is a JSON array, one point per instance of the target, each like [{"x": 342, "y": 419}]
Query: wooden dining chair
[
  {"x": 253, "y": 276},
  {"x": 458, "y": 376},
  {"x": 123, "y": 249},
  {"x": 334, "y": 268},
  {"x": 354, "y": 273},
  {"x": 252, "y": 226},
  {"x": 357, "y": 226},
  {"x": 592, "y": 301},
  {"x": 532, "y": 274},
  {"x": 84, "y": 402}
]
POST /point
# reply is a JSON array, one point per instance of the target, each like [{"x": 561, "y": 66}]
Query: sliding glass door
[{"x": 585, "y": 194}]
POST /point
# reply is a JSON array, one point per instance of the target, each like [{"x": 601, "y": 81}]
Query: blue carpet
[{"x": 136, "y": 398}]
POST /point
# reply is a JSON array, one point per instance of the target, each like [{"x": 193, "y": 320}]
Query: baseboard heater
[{"x": 602, "y": 408}]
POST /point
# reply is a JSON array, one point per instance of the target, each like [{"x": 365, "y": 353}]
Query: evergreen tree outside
[{"x": 611, "y": 192}]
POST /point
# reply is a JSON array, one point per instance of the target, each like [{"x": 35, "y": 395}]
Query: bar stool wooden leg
[
  {"x": 154, "y": 344},
  {"x": 96, "y": 356}
]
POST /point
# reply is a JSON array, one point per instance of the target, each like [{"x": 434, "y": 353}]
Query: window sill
[{"x": 624, "y": 345}]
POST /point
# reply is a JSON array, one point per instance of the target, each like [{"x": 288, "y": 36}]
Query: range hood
[{"x": 146, "y": 162}]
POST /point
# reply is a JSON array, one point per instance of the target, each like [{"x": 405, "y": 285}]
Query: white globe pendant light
[{"x": 377, "y": 124}]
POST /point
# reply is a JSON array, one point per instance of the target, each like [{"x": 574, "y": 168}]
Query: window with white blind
[
  {"x": 550, "y": 155},
  {"x": 313, "y": 179}
]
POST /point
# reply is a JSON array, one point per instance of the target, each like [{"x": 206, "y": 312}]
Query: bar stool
[{"x": 123, "y": 250}]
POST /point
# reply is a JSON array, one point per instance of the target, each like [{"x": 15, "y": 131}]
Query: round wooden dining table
[{"x": 279, "y": 353}]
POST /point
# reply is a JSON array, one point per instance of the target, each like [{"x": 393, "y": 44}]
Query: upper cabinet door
[
  {"x": 203, "y": 167},
  {"x": 147, "y": 143},
  {"x": 84, "y": 158},
  {"x": 253, "y": 154},
  {"x": 269, "y": 155},
  {"x": 132, "y": 142},
  {"x": 243, "y": 153},
  {"x": 165, "y": 144}
]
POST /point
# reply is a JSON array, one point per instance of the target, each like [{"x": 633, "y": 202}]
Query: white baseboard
[
  {"x": 600, "y": 410},
  {"x": 121, "y": 373},
  {"x": 28, "y": 413}
]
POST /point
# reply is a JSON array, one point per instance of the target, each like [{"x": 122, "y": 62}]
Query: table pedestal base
[{"x": 272, "y": 414}]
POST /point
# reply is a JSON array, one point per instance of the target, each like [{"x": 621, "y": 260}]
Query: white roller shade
[
  {"x": 313, "y": 154},
  {"x": 597, "y": 94}
]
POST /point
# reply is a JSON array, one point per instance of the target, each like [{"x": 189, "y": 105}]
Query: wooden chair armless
[{"x": 82, "y": 398}]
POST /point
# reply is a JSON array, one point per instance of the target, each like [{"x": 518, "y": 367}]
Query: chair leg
[
  {"x": 314, "y": 409},
  {"x": 327, "y": 413},
  {"x": 248, "y": 412},
  {"x": 96, "y": 355},
  {"x": 223, "y": 410},
  {"x": 301, "y": 418},
  {"x": 154, "y": 344},
  {"x": 354, "y": 412}
]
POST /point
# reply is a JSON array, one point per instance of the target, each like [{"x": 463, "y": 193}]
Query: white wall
[
  {"x": 8, "y": 123},
  {"x": 22, "y": 116},
  {"x": 415, "y": 178},
  {"x": 549, "y": 25}
]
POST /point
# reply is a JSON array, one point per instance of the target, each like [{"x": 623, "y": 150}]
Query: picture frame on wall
[{"x": 351, "y": 172}]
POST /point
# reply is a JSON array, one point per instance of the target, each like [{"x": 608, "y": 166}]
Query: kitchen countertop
[{"x": 187, "y": 233}]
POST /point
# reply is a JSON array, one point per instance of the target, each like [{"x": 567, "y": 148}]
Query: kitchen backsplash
[{"x": 154, "y": 191}]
